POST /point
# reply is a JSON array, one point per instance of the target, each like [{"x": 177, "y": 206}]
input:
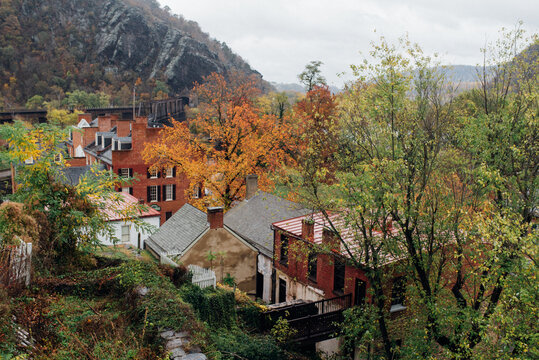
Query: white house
[{"x": 125, "y": 230}]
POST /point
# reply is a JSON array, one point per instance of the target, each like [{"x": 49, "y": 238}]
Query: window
[
  {"x": 170, "y": 172},
  {"x": 284, "y": 250},
  {"x": 282, "y": 290},
  {"x": 125, "y": 233},
  {"x": 153, "y": 173},
  {"x": 398, "y": 292},
  {"x": 153, "y": 193},
  {"x": 197, "y": 192},
  {"x": 338, "y": 276},
  {"x": 169, "y": 192},
  {"x": 168, "y": 215},
  {"x": 360, "y": 292},
  {"x": 312, "y": 266},
  {"x": 127, "y": 190},
  {"x": 125, "y": 172}
]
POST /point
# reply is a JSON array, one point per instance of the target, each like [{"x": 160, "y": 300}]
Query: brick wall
[
  {"x": 298, "y": 270},
  {"x": 132, "y": 159}
]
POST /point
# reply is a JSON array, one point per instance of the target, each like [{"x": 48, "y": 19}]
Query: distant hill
[
  {"x": 51, "y": 47},
  {"x": 299, "y": 88}
]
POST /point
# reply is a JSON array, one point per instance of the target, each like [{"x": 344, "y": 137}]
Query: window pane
[
  {"x": 313, "y": 266},
  {"x": 124, "y": 172},
  {"x": 153, "y": 193},
  {"x": 168, "y": 192},
  {"x": 398, "y": 291},
  {"x": 125, "y": 233},
  {"x": 338, "y": 276},
  {"x": 284, "y": 249},
  {"x": 169, "y": 172}
]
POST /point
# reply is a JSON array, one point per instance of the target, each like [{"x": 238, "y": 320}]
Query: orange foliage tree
[
  {"x": 229, "y": 138},
  {"x": 317, "y": 127}
]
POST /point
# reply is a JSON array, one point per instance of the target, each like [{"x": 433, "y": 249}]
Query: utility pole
[{"x": 134, "y": 87}]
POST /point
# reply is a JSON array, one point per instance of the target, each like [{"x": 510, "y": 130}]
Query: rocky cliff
[{"x": 103, "y": 45}]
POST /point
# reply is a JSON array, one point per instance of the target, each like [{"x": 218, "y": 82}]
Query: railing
[
  {"x": 314, "y": 328},
  {"x": 312, "y": 308},
  {"x": 202, "y": 277},
  {"x": 313, "y": 321}
]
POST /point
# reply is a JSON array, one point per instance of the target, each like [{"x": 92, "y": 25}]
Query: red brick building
[
  {"x": 117, "y": 144},
  {"x": 310, "y": 264}
]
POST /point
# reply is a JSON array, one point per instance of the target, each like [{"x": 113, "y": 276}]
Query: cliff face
[
  {"x": 103, "y": 45},
  {"x": 127, "y": 40}
]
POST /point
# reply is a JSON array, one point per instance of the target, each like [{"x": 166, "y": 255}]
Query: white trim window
[
  {"x": 153, "y": 174},
  {"x": 126, "y": 190},
  {"x": 125, "y": 233},
  {"x": 170, "y": 172},
  {"x": 124, "y": 173},
  {"x": 153, "y": 193},
  {"x": 169, "y": 192}
]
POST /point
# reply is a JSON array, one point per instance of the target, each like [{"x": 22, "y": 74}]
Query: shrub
[
  {"x": 7, "y": 333},
  {"x": 215, "y": 306},
  {"x": 235, "y": 344}
]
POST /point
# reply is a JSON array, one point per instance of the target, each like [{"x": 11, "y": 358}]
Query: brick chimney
[
  {"x": 330, "y": 239},
  {"x": 251, "y": 186},
  {"x": 87, "y": 117},
  {"x": 215, "y": 217},
  {"x": 307, "y": 229}
]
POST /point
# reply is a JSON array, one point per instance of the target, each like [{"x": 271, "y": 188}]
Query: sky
[{"x": 279, "y": 37}]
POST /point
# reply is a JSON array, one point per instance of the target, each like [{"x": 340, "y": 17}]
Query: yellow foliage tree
[{"x": 229, "y": 138}]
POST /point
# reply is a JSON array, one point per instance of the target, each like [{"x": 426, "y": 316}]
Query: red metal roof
[
  {"x": 123, "y": 206},
  {"x": 294, "y": 226}
]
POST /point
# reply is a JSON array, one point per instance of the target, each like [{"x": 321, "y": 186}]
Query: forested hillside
[{"x": 52, "y": 47}]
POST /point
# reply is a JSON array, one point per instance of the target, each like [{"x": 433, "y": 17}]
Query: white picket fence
[
  {"x": 202, "y": 277},
  {"x": 16, "y": 264}
]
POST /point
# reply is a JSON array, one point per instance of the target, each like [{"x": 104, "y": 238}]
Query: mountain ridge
[{"x": 50, "y": 48}]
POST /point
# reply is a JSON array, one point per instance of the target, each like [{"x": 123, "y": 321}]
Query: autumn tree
[
  {"x": 230, "y": 137},
  {"x": 316, "y": 123}
]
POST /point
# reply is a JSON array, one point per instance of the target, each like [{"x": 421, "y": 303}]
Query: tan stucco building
[{"x": 191, "y": 237}]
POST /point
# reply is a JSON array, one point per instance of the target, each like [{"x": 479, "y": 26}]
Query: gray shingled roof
[
  {"x": 252, "y": 219},
  {"x": 178, "y": 232},
  {"x": 74, "y": 173}
]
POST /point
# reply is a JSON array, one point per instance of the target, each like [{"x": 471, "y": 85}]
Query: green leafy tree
[
  {"x": 312, "y": 75},
  {"x": 35, "y": 102},
  {"x": 82, "y": 99},
  {"x": 414, "y": 184},
  {"x": 70, "y": 218}
]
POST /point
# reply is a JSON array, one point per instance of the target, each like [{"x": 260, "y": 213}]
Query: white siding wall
[
  {"x": 133, "y": 232},
  {"x": 265, "y": 265}
]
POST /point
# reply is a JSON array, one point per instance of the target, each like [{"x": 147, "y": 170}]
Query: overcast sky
[{"x": 279, "y": 37}]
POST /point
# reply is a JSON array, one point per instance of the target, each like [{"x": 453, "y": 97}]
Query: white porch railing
[{"x": 202, "y": 277}]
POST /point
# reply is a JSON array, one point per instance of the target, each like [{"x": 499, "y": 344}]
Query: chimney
[
  {"x": 215, "y": 217},
  {"x": 307, "y": 229},
  {"x": 86, "y": 116},
  {"x": 251, "y": 186},
  {"x": 330, "y": 239}
]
